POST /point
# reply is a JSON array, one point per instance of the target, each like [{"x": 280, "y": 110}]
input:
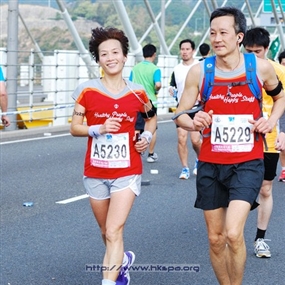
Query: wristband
[
  {"x": 147, "y": 135},
  {"x": 93, "y": 131}
]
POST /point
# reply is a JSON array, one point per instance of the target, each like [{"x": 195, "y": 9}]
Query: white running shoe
[
  {"x": 185, "y": 174},
  {"x": 152, "y": 157},
  {"x": 261, "y": 248},
  {"x": 195, "y": 167}
]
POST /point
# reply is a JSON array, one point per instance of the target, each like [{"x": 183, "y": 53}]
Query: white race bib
[
  {"x": 111, "y": 151},
  {"x": 231, "y": 133}
]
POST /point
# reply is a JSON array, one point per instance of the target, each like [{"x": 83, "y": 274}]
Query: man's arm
[
  {"x": 157, "y": 80},
  {"x": 188, "y": 100},
  {"x": 281, "y": 75},
  {"x": 172, "y": 80},
  {"x": 172, "y": 84},
  {"x": 272, "y": 87},
  {"x": 4, "y": 103},
  {"x": 131, "y": 76},
  {"x": 282, "y": 123}
]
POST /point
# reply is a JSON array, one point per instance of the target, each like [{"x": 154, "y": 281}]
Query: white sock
[
  {"x": 108, "y": 282},
  {"x": 283, "y": 168}
]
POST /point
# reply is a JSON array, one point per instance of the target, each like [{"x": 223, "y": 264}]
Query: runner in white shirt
[{"x": 187, "y": 49}]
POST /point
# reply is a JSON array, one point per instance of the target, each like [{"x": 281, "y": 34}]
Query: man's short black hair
[
  {"x": 257, "y": 36},
  {"x": 281, "y": 56},
  {"x": 204, "y": 49},
  {"x": 149, "y": 50},
  {"x": 239, "y": 17},
  {"x": 187, "y": 41}
]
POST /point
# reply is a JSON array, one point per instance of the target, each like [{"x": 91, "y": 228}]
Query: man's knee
[
  {"x": 182, "y": 140},
  {"x": 234, "y": 237},
  {"x": 217, "y": 241},
  {"x": 196, "y": 144},
  {"x": 266, "y": 189}
]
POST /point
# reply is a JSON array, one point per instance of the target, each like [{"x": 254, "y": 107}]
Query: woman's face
[{"x": 111, "y": 57}]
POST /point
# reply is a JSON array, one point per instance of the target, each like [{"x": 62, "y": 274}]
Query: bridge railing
[{"x": 44, "y": 88}]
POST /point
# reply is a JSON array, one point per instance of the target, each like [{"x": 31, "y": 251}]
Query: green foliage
[
  {"x": 50, "y": 39},
  {"x": 104, "y": 13},
  {"x": 98, "y": 12},
  {"x": 58, "y": 16},
  {"x": 177, "y": 13}
]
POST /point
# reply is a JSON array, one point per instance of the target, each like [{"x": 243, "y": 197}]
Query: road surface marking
[{"x": 74, "y": 199}]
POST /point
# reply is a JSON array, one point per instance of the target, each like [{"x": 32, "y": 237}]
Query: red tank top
[
  {"x": 230, "y": 140},
  {"x": 99, "y": 106}
]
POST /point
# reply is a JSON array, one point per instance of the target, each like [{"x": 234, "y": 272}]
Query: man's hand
[
  {"x": 280, "y": 142},
  {"x": 261, "y": 126},
  {"x": 202, "y": 120},
  {"x": 5, "y": 121}
]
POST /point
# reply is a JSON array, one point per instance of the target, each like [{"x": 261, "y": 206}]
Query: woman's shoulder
[{"x": 134, "y": 85}]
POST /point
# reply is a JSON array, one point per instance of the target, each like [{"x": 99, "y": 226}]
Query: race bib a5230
[{"x": 111, "y": 151}]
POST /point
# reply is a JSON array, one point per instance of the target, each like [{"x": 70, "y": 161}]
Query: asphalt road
[{"x": 57, "y": 242}]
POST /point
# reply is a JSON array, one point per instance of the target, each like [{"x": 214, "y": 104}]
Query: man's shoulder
[
  {"x": 137, "y": 65},
  {"x": 195, "y": 62},
  {"x": 144, "y": 64},
  {"x": 151, "y": 65},
  {"x": 179, "y": 67}
]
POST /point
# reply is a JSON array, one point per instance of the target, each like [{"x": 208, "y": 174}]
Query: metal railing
[{"x": 44, "y": 88}]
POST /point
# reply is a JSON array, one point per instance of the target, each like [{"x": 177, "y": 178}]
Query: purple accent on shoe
[
  {"x": 124, "y": 275},
  {"x": 123, "y": 278},
  {"x": 131, "y": 259}
]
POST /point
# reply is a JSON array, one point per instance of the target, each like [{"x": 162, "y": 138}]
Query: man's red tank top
[{"x": 230, "y": 141}]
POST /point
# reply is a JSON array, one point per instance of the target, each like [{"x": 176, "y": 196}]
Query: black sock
[
  {"x": 260, "y": 234},
  {"x": 150, "y": 154}
]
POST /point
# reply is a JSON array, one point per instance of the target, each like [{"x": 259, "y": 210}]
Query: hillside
[{"x": 44, "y": 27}]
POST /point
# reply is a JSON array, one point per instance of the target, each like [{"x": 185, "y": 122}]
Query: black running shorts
[
  {"x": 270, "y": 165},
  {"x": 218, "y": 184}
]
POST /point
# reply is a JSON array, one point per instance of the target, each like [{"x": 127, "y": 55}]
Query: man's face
[
  {"x": 223, "y": 37},
  {"x": 259, "y": 51},
  {"x": 186, "y": 51}
]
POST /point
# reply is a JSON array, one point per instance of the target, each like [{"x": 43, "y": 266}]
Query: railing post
[{"x": 12, "y": 61}]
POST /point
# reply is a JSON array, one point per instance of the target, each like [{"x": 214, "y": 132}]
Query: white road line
[
  {"x": 74, "y": 199},
  {"x": 34, "y": 139},
  {"x": 165, "y": 121}
]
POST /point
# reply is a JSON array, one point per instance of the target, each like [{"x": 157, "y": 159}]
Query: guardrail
[{"x": 44, "y": 88}]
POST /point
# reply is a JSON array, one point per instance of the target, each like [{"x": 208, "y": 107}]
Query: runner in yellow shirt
[{"x": 257, "y": 41}]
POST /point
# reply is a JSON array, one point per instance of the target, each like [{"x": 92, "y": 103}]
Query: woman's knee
[{"x": 113, "y": 234}]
